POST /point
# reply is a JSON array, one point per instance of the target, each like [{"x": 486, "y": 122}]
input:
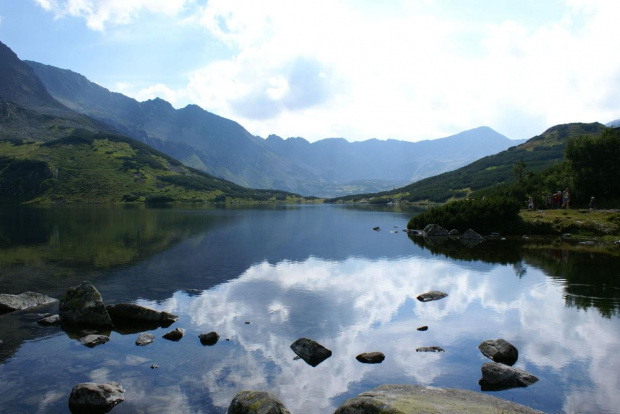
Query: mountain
[
  {"x": 50, "y": 153},
  {"x": 225, "y": 149},
  {"x": 613, "y": 124},
  {"x": 538, "y": 153}
]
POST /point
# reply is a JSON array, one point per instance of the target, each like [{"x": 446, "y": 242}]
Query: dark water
[{"x": 310, "y": 271}]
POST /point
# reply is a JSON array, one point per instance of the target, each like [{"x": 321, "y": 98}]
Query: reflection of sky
[{"x": 359, "y": 305}]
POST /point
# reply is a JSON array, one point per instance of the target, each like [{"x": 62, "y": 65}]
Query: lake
[{"x": 264, "y": 277}]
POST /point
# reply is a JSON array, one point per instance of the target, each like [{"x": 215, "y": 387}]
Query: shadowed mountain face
[{"x": 222, "y": 147}]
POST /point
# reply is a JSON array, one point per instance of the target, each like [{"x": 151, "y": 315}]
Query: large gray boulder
[
  {"x": 434, "y": 230},
  {"x": 83, "y": 305},
  {"x": 126, "y": 313},
  {"x": 414, "y": 399},
  {"x": 496, "y": 376},
  {"x": 26, "y": 300},
  {"x": 259, "y": 402},
  {"x": 499, "y": 350},
  {"x": 310, "y": 351},
  {"x": 89, "y": 397}
]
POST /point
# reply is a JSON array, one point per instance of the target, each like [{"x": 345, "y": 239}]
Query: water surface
[{"x": 300, "y": 271}]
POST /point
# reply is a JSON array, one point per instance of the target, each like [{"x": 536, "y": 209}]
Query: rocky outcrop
[
  {"x": 26, "y": 300},
  {"x": 92, "y": 398},
  {"x": 258, "y": 402},
  {"x": 209, "y": 339},
  {"x": 175, "y": 335},
  {"x": 93, "y": 340},
  {"x": 454, "y": 232},
  {"x": 433, "y": 230},
  {"x": 371, "y": 357},
  {"x": 310, "y": 351},
  {"x": 127, "y": 313},
  {"x": 499, "y": 350},
  {"x": 496, "y": 376},
  {"x": 413, "y": 399},
  {"x": 83, "y": 305},
  {"x": 144, "y": 339},
  {"x": 432, "y": 295}
]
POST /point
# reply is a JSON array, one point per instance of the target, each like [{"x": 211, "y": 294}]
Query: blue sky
[{"x": 408, "y": 70}]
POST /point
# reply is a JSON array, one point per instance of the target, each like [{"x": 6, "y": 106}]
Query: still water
[{"x": 319, "y": 272}]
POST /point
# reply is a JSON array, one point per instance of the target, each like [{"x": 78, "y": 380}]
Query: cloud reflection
[{"x": 359, "y": 305}]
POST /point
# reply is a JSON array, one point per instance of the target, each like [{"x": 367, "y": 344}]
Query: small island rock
[
  {"x": 258, "y": 402},
  {"x": 496, "y": 376},
  {"x": 89, "y": 397},
  {"x": 423, "y": 328},
  {"x": 83, "y": 305},
  {"x": 144, "y": 339},
  {"x": 430, "y": 349},
  {"x": 175, "y": 335},
  {"x": 26, "y": 300},
  {"x": 209, "y": 339},
  {"x": 371, "y": 357},
  {"x": 310, "y": 351},
  {"x": 499, "y": 350},
  {"x": 432, "y": 295}
]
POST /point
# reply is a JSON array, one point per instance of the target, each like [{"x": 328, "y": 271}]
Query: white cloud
[
  {"x": 396, "y": 69},
  {"x": 100, "y": 13}
]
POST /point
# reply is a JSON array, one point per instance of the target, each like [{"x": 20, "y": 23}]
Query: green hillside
[
  {"x": 100, "y": 167},
  {"x": 538, "y": 153}
]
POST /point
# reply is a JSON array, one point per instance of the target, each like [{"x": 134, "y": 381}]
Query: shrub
[{"x": 484, "y": 216}]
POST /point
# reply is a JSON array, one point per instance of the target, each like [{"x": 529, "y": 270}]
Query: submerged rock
[
  {"x": 410, "y": 399},
  {"x": 310, "y": 351},
  {"x": 83, "y": 305},
  {"x": 430, "y": 349},
  {"x": 49, "y": 320},
  {"x": 175, "y": 335},
  {"x": 499, "y": 350},
  {"x": 26, "y": 300},
  {"x": 144, "y": 339},
  {"x": 496, "y": 376},
  {"x": 259, "y": 402},
  {"x": 94, "y": 340},
  {"x": 371, "y": 357},
  {"x": 89, "y": 397},
  {"x": 209, "y": 339},
  {"x": 124, "y": 313},
  {"x": 432, "y": 295}
]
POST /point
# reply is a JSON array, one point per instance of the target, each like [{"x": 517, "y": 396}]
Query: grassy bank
[{"x": 604, "y": 225}]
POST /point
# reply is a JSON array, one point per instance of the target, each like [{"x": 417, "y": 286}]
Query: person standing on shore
[{"x": 566, "y": 199}]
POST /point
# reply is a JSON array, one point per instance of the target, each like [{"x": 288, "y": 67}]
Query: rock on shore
[
  {"x": 26, "y": 300},
  {"x": 413, "y": 399}
]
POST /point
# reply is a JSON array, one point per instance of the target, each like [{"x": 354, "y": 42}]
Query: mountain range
[{"x": 223, "y": 148}]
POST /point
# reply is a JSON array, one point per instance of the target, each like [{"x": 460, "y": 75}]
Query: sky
[{"x": 357, "y": 69}]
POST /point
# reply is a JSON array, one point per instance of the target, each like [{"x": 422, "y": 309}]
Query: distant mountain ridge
[{"x": 223, "y": 148}]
